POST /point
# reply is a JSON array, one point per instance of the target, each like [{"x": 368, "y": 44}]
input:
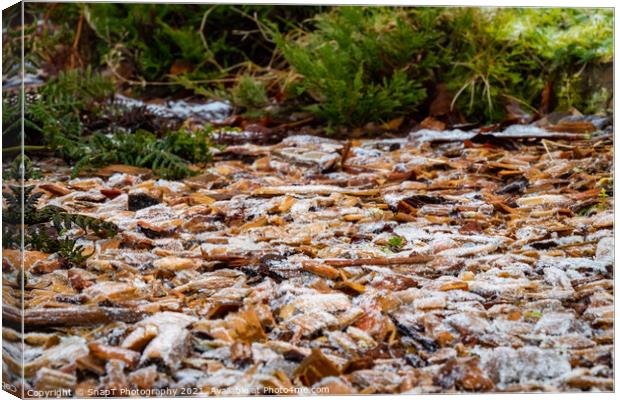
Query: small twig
[
  {"x": 46, "y": 17},
  {"x": 205, "y": 43},
  {"x": 565, "y": 146},
  {"x": 345, "y": 153},
  {"x": 357, "y": 262},
  {"x": 70, "y": 316},
  {"x": 175, "y": 83},
  {"x": 456, "y": 96},
  {"x": 26, "y": 148},
  {"x": 544, "y": 143},
  {"x": 521, "y": 102},
  {"x": 487, "y": 89},
  {"x": 599, "y": 143},
  {"x": 76, "y": 41},
  {"x": 569, "y": 245},
  {"x": 294, "y": 124},
  {"x": 256, "y": 20}
]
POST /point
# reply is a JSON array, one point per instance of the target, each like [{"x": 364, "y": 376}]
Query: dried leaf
[{"x": 315, "y": 367}]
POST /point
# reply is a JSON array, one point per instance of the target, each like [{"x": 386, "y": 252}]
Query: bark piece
[
  {"x": 315, "y": 367},
  {"x": 172, "y": 341},
  {"x": 70, "y": 316},
  {"x": 129, "y": 357},
  {"x": 138, "y": 200}
]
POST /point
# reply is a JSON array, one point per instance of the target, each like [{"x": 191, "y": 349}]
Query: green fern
[
  {"x": 61, "y": 104},
  {"x": 11, "y": 236},
  {"x": 72, "y": 252},
  {"x": 66, "y": 248},
  {"x": 38, "y": 238},
  {"x": 44, "y": 226},
  {"x": 14, "y": 172},
  {"x": 168, "y": 157},
  {"x": 64, "y": 221},
  {"x": 13, "y": 212}
]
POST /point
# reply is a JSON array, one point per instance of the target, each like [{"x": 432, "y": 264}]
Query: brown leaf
[
  {"x": 30, "y": 257},
  {"x": 48, "y": 265},
  {"x": 55, "y": 189},
  {"x": 110, "y": 170},
  {"x": 140, "y": 337},
  {"x": 454, "y": 286},
  {"x": 515, "y": 114},
  {"x": 116, "y": 379},
  {"x": 470, "y": 227},
  {"x": 433, "y": 124},
  {"x": 336, "y": 386},
  {"x": 393, "y": 124},
  {"x": 315, "y": 367},
  {"x": 180, "y": 67},
  {"x": 144, "y": 378},
  {"x": 247, "y": 326},
  {"x": 573, "y": 127},
  {"x": 241, "y": 352},
  {"x": 463, "y": 374},
  {"x": 546, "y": 96},
  {"x": 111, "y": 193},
  {"x": 442, "y": 102},
  {"x": 322, "y": 270},
  {"x": 105, "y": 352}
]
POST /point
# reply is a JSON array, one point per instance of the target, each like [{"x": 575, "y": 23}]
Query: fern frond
[{"x": 64, "y": 221}]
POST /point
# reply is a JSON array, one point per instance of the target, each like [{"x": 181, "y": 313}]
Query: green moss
[
  {"x": 598, "y": 102},
  {"x": 533, "y": 314},
  {"x": 485, "y": 69}
]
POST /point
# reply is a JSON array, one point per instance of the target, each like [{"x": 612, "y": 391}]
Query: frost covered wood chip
[{"x": 373, "y": 266}]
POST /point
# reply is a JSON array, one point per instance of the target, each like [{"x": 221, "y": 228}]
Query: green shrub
[
  {"x": 208, "y": 38},
  {"x": 486, "y": 68},
  {"x": 249, "y": 93},
  {"x": 364, "y": 64},
  {"x": 349, "y": 65},
  {"x": 511, "y": 53}
]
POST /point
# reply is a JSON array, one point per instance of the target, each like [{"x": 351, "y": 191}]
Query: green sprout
[
  {"x": 396, "y": 243},
  {"x": 533, "y": 314}
]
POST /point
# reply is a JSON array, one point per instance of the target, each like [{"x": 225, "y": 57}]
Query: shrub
[
  {"x": 348, "y": 65},
  {"x": 511, "y": 53},
  {"x": 206, "y": 39},
  {"x": 249, "y": 93},
  {"x": 364, "y": 64},
  {"x": 486, "y": 69}
]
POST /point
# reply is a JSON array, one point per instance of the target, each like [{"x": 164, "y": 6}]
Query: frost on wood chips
[{"x": 417, "y": 265}]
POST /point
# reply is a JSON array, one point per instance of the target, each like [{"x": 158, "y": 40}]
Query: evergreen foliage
[
  {"x": 44, "y": 227},
  {"x": 364, "y": 64},
  {"x": 168, "y": 156},
  {"x": 348, "y": 65}
]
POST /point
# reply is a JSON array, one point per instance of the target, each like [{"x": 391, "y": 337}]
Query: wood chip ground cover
[{"x": 417, "y": 265}]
